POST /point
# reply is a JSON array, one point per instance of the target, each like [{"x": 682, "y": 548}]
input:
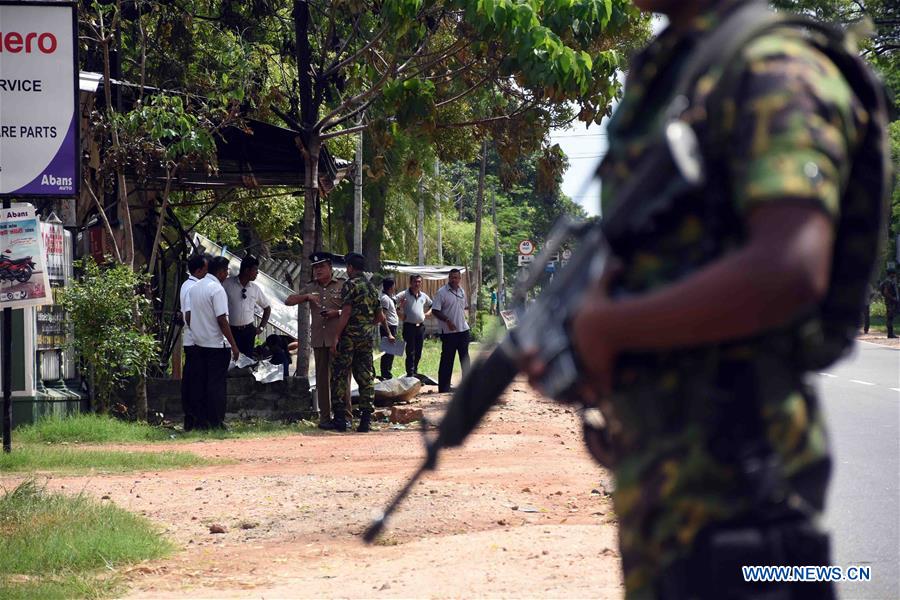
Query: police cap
[{"x": 320, "y": 257}]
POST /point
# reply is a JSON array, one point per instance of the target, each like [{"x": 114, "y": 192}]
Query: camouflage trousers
[
  {"x": 890, "y": 311},
  {"x": 353, "y": 355}
]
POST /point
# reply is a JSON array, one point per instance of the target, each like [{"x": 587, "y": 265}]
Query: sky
[{"x": 584, "y": 148}]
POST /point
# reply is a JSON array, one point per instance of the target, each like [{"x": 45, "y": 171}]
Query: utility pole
[
  {"x": 420, "y": 224},
  {"x": 476, "y": 251},
  {"x": 7, "y": 370},
  {"x": 358, "y": 194},
  {"x": 497, "y": 254},
  {"x": 437, "y": 203}
]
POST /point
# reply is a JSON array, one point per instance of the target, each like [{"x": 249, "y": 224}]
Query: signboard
[
  {"x": 54, "y": 250},
  {"x": 550, "y": 268},
  {"x": 526, "y": 247},
  {"x": 39, "y": 124},
  {"x": 525, "y": 259},
  {"x": 23, "y": 273},
  {"x": 566, "y": 254}
]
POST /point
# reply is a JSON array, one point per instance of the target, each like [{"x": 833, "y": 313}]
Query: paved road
[{"x": 861, "y": 397}]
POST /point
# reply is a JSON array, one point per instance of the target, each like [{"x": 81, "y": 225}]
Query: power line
[{"x": 578, "y": 135}]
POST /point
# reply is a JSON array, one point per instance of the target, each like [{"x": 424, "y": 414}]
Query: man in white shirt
[
  {"x": 449, "y": 308},
  {"x": 197, "y": 267},
  {"x": 244, "y": 295},
  {"x": 214, "y": 342},
  {"x": 415, "y": 305},
  {"x": 390, "y": 324}
]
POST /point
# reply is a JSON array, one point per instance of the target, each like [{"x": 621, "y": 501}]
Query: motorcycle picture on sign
[{"x": 23, "y": 275}]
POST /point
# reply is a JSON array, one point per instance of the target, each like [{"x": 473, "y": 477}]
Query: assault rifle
[{"x": 543, "y": 325}]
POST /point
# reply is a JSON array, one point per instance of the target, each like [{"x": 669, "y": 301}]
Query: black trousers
[
  {"x": 451, "y": 345},
  {"x": 246, "y": 338},
  {"x": 212, "y": 370},
  {"x": 867, "y": 312},
  {"x": 387, "y": 359},
  {"x": 414, "y": 336},
  {"x": 190, "y": 386},
  {"x": 890, "y": 310}
]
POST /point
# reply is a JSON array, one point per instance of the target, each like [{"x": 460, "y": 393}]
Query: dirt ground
[{"x": 519, "y": 511}]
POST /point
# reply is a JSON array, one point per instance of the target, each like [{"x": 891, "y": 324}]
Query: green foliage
[
  {"x": 166, "y": 133},
  {"x": 57, "y": 546},
  {"x": 104, "y": 308}
]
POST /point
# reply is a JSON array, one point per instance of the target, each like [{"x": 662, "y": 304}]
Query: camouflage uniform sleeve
[
  {"x": 348, "y": 293},
  {"x": 797, "y": 123}
]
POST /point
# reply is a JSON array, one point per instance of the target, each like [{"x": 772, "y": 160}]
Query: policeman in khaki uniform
[
  {"x": 715, "y": 437},
  {"x": 360, "y": 311},
  {"x": 324, "y": 295}
]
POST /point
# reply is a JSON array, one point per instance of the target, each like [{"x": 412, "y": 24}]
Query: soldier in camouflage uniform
[
  {"x": 353, "y": 349},
  {"x": 891, "y": 294},
  {"x": 710, "y": 428}
]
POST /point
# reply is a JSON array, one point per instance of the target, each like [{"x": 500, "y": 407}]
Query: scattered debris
[
  {"x": 405, "y": 414},
  {"x": 216, "y": 528}
]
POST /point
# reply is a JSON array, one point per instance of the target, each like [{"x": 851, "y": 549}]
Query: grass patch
[
  {"x": 57, "y": 546},
  {"x": 431, "y": 358},
  {"x": 100, "y": 429},
  {"x": 33, "y": 457}
]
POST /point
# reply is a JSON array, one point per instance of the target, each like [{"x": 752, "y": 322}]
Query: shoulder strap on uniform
[{"x": 739, "y": 27}]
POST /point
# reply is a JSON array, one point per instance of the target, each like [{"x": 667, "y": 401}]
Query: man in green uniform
[
  {"x": 715, "y": 437},
  {"x": 352, "y": 351},
  {"x": 891, "y": 294}
]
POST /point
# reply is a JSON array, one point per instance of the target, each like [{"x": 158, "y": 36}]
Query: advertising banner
[
  {"x": 38, "y": 99},
  {"x": 23, "y": 272}
]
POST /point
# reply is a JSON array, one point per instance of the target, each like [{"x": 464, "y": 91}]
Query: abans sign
[{"x": 38, "y": 100}]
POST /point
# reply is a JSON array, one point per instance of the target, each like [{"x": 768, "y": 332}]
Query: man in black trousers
[
  {"x": 415, "y": 306},
  {"x": 208, "y": 320},
  {"x": 197, "y": 267},
  {"x": 450, "y": 305}
]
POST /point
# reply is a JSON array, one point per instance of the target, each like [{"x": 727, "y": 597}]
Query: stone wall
[{"x": 290, "y": 399}]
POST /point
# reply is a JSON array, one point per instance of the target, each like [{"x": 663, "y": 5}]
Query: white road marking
[
  {"x": 828, "y": 375},
  {"x": 895, "y": 389},
  {"x": 861, "y": 382}
]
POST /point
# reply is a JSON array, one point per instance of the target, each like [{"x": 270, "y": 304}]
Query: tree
[{"x": 101, "y": 309}]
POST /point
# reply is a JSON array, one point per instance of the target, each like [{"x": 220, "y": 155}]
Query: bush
[{"x": 105, "y": 309}]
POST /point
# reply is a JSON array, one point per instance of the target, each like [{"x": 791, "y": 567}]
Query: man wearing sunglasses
[{"x": 243, "y": 298}]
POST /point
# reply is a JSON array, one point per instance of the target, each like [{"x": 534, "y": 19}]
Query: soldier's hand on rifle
[{"x": 597, "y": 353}]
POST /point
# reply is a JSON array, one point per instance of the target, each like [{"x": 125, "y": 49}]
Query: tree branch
[
  {"x": 349, "y": 130},
  {"x": 522, "y": 109},
  {"x": 356, "y": 99},
  {"x": 334, "y": 68},
  {"x": 468, "y": 91}
]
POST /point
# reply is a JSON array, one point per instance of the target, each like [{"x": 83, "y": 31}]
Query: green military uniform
[
  {"x": 683, "y": 423},
  {"x": 354, "y": 350},
  {"x": 891, "y": 294}
]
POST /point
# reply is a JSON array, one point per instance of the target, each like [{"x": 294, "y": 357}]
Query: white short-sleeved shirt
[
  {"x": 452, "y": 303},
  {"x": 389, "y": 309},
  {"x": 187, "y": 339},
  {"x": 414, "y": 308},
  {"x": 241, "y": 310},
  {"x": 208, "y": 301}
]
